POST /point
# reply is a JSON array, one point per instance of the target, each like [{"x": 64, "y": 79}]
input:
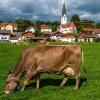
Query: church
[{"x": 65, "y": 26}]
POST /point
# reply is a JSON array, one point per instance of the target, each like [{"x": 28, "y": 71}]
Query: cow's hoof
[
  {"x": 37, "y": 88},
  {"x": 61, "y": 87},
  {"x": 76, "y": 88},
  {"x": 22, "y": 89}
]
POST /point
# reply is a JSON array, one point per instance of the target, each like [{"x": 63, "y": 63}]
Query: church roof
[
  {"x": 68, "y": 24},
  {"x": 64, "y": 10},
  {"x": 44, "y": 26}
]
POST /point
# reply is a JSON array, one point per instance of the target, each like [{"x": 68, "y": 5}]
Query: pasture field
[{"x": 50, "y": 90}]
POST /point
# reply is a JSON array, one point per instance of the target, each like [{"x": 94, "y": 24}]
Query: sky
[{"x": 48, "y": 10}]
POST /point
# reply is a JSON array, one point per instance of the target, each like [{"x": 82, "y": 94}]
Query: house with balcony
[
  {"x": 8, "y": 26},
  {"x": 45, "y": 28},
  {"x": 5, "y": 35}
]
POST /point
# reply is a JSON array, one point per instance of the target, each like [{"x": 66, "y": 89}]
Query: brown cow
[{"x": 46, "y": 59}]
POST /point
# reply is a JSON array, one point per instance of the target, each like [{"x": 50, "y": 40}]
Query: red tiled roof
[
  {"x": 3, "y": 24},
  {"x": 70, "y": 35},
  {"x": 47, "y": 33},
  {"x": 88, "y": 29},
  {"x": 69, "y": 24},
  {"x": 97, "y": 31},
  {"x": 57, "y": 34},
  {"x": 28, "y": 34},
  {"x": 44, "y": 26},
  {"x": 82, "y": 36}
]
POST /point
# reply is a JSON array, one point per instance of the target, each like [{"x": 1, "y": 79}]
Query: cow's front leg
[
  {"x": 28, "y": 76},
  {"x": 25, "y": 83},
  {"x": 64, "y": 80}
]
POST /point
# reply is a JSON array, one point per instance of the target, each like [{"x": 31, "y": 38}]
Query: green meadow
[{"x": 49, "y": 88}]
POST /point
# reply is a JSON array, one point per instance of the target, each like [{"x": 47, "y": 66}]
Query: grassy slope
[{"x": 50, "y": 90}]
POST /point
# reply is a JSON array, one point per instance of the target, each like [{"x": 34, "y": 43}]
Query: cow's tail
[{"x": 83, "y": 65}]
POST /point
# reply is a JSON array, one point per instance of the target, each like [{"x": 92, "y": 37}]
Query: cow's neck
[{"x": 17, "y": 78}]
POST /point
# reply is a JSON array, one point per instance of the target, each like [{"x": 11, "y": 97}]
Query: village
[{"x": 65, "y": 32}]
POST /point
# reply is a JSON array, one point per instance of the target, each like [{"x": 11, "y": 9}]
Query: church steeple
[
  {"x": 63, "y": 16},
  {"x": 64, "y": 10}
]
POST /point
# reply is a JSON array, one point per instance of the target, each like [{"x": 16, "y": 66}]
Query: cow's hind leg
[
  {"x": 38, "y": 81},
  {"x": 77, "y": 81},
  {"x": 64, "y": 80}
]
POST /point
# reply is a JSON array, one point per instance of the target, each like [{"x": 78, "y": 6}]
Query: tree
[
  {"x": 76, "y": 19},
  {"x": 97, "y": 25},
  {"x": 1, "y": 21},
  {"x": 23, "y": 24},
  {"x": 88, "y": 23}
]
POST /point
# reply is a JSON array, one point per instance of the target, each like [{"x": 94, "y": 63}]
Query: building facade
[
  {"x": 30, "y": 29},
  {"x": 45, "y": 28},
  {"x": 4, "y": 35},
  {"x": 8, "y": 26}
]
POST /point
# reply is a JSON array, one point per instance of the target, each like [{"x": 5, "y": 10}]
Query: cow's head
[{"x": 11, "y": 83}]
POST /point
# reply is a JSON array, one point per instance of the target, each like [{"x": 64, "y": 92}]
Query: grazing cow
[{"x": 46, "y": 59}]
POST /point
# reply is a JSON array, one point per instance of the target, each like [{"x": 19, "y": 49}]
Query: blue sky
[{"x": 48, "y": 10}]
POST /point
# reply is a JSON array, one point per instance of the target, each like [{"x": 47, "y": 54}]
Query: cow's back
[{"x": 55, "y": 58}]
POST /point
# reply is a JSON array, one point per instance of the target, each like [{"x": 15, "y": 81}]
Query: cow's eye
[{"x": 7, "y": 82}]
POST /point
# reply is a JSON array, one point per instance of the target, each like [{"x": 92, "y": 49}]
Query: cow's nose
[{"x": 6, "y": 92}]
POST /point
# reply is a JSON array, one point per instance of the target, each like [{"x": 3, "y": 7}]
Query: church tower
[{"x": 63, "y": 16}]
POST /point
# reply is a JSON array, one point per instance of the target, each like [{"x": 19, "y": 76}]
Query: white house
[
  {"x": 14, "y": 39},
  {"x": 66, "y": 27},
  {"x": 30, "y": 29},
  {"x": 68, "y": 38},
  {"x": 45, "y": 28},
  {"x": 81, "y": 37},
  {"x": 56, "y": 36},
  {"x": 8, "y": 26},
  {"x": 63, "y": 37},
  {"x": 4, "y": 35},
  {"x": 97, "y": 32}
]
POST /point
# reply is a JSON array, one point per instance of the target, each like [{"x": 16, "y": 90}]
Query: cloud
[{"x": 48, "y": 10}]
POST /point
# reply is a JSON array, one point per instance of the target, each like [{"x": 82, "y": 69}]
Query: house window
[
  {"x": 64, "y": 18},
  {"x": 4, "y": 38}
]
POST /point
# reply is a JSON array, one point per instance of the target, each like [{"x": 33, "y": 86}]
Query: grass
[{"x": 89, "y": 90}]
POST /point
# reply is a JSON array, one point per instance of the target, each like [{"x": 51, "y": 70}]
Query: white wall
[
  {"x": 81, "y": 40},
  {"x": 55, "y": 38},
  {"x": 46, "y": 30},
  {"x": 31, "y": 30},
  {"x": 98, "y": 35},
  {"x": 63, "y": 19},
  {"x": 68, "y": 30},
  {"x": 4, "y": 37},
  {"x": 63, "y": 39},
  {"x": 9, "y": 27},
  {"x": 89, "y": 39},
  {"x": 13, "y": 41},
  {"x": 68, "y": 39},
  {"x": 2, "y": 28}
]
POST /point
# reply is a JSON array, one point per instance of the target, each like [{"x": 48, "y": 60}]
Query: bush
[
  {"x": 13, "y": 35},
  {"x": 97, "y": 39}
]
